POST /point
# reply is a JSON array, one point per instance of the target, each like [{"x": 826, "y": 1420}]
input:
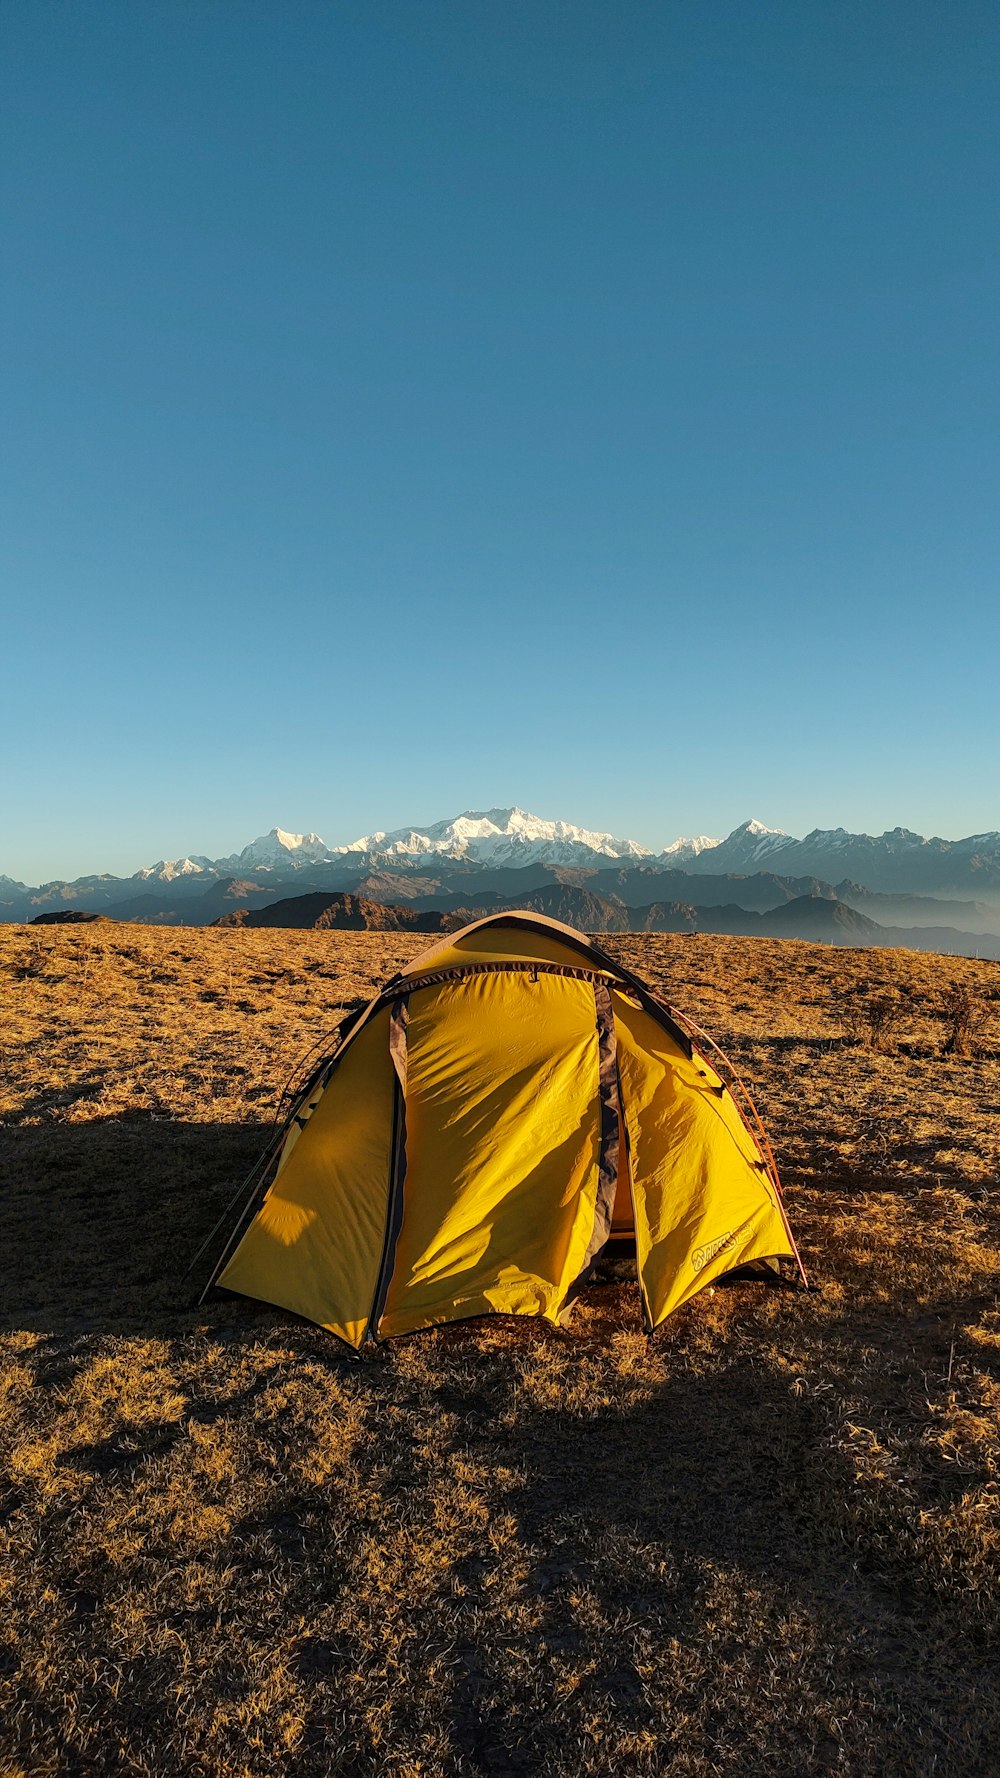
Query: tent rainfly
[{"x": 509, "y": 1104}]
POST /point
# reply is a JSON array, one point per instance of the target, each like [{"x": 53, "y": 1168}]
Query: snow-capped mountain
[
  {"x": 496, "y": 837},
  {"x": 681, "y": 851},
  {"x": 278, "y": 850},
  {"x": 749, "y": 847},
  {"x": 167, "y": 870},
  {"x": 274, "y": 851},
  {"x": 491, "y": 837},
  {"x": 896, "y": 862},
  {"x": 447, "y": 855}
]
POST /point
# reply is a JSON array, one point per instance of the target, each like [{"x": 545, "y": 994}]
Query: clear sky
[{"x": 416, "y": 406}]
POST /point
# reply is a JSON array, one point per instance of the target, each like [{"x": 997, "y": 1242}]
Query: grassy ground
[{"x": 764, "y": 1541}]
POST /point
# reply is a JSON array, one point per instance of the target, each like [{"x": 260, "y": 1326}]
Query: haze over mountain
[
  {"x": 506, "y": 856},
  {"x": 819, "y": 919}
]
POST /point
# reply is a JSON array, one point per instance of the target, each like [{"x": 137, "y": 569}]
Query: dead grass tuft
[
  {"x": 873, "y": 1020},
  {"x": 966, "y": 1014},
  {"x": 763, "y": 1542}
]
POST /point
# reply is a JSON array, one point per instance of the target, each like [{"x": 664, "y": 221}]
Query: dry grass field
[{"x": 763, "y": 1541}]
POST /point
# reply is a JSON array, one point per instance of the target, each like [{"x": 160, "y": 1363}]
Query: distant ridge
[
  {"x": 343, "y": 913},
  {"x": 810, "y": 917}
]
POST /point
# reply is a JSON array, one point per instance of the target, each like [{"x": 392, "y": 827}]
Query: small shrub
[
  {"x": 965, "y": 1014},
  {"x": 873, "y": 1021}
]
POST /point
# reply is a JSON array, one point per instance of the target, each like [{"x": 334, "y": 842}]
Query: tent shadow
[
  {"x": 708, "y": 1512},
  {"x": 100, "y": 1219},
  {"x": 718, "y": 1503}
]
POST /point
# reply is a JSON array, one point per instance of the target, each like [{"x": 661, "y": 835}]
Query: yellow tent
[{"x": 505, "y": 1106}]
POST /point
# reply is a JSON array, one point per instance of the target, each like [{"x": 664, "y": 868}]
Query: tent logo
[{"x": 701, "y": 1255}]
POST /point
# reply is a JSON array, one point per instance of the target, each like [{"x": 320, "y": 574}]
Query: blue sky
[{"x": 414, "y": 407}]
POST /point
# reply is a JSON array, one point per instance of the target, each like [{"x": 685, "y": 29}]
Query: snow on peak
[
  {"x": 487, "y": 837},
  {"x": 681, "y": 849},
  {"x": 749, "y": 847},
  {"x": 167, "y": 869},
  {"x": 281, "y": 847},
  {"x": 292, "y": 842},
  {"x": 757, "y": 830},
  {"x": 498, "y": 836},
  {"x": 277, "y": 850}
]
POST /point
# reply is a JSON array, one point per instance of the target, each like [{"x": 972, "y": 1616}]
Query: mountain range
[{"x": 946, "y": 888}]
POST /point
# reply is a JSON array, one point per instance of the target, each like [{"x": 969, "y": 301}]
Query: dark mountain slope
[
  {"x": 810, "y": 916},
  {"x": 343, "y": 913},
  {"x": 641, "y": 885},
  {"x": 67, "y": 917},
  {"x": 574, "y": 907}
]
